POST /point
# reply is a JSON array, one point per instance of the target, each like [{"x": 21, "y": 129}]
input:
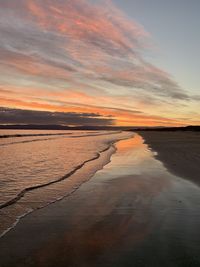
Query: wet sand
[
  {"x": 179, "y": 151},
  {"x": 133, "y": 212}
]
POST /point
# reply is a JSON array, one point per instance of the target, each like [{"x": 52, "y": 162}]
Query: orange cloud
[{"x": 123, "y": 117}]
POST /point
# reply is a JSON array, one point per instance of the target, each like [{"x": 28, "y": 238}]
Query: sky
[{"x": 100, "y": 62}]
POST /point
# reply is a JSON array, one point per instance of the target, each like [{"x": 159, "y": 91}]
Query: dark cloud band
[{"x": 19, "y": 116}]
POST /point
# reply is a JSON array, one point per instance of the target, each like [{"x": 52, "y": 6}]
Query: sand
[
  {"x": 133, "y": 212},
  {"x": 179, "y": 151}
]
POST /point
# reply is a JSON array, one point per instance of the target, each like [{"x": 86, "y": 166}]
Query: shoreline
[
  {"x": 126, "y": 215},
  {"x": 109, "y": 150}
]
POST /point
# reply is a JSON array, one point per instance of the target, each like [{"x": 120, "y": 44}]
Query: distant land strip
[{"x": 97, "y": 128}]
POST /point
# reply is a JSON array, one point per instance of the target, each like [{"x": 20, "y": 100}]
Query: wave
[
  {"x": 15, "y": 223},
  {"x": 67, "y": 194},
  {"x": 30, "y": 141},
  {"x": 30, "y": 135},
  {"x": 99, "y": 134},
  {"x": 28, "y": 189},
  {"x": 110, "y": 149},
  {"x": 47, "y": 139}
]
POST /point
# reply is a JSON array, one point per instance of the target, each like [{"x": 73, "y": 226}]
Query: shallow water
[
  {"x": 30, "y": 159},
  {"x": 133, "y": 212}
]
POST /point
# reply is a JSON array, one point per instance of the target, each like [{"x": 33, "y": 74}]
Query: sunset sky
[{"x": 100, "y": 62}]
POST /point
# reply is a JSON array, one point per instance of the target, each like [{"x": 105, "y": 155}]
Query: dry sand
[{"x": 179, "y": 151}]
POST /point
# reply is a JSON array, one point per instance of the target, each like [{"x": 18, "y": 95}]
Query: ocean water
[{"x": 35, "y": 160}]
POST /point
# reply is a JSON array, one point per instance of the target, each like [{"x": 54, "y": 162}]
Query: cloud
[
  {"x": 80, "y": 40},
  {"x": 19, "y": 116},
  {"x": 103, "y": 114},
  {"x": 82, "y": 56}
]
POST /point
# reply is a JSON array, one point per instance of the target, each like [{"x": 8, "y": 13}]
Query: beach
[
  {"x": 133, "y": 211},
  {"x": 37, "y": 168},
  {"x": 99, "y": 133},
  {"x": 179, "y": 151}
]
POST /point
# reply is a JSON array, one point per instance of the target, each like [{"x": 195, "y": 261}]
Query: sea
[{"x": 37, "y": 167}]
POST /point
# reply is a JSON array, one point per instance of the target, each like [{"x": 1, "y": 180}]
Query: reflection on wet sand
[
  {"x": 131, "y": 213},
  {"x": 113, "y": 212}
]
